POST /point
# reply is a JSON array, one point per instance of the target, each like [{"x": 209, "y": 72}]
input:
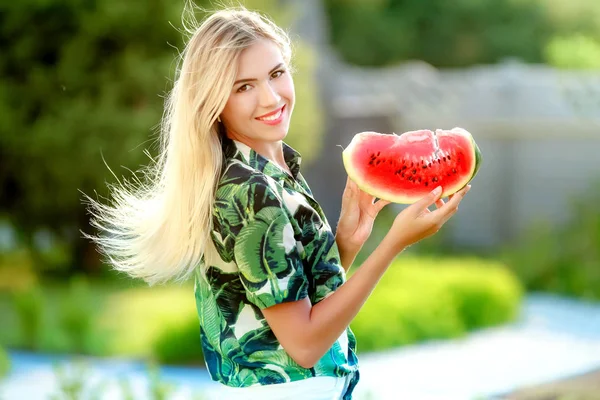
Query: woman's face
[{"x": 262, "y": 99}]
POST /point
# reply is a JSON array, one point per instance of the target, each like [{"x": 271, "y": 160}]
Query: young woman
[{"x": 226, "y": 204}]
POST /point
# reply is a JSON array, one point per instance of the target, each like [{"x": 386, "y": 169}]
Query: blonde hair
[{"x": 159, "y": 229}]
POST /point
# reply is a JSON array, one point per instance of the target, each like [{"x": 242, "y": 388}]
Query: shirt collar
[{"x": 241, "y": 152}]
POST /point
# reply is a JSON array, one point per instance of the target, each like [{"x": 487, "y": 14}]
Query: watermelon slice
[{"x": 405, "y": 168}]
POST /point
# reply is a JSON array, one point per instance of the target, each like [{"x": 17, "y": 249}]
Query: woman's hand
[
  {"x": 357, "y": 216},
  {"x": 417, "y": 222}
]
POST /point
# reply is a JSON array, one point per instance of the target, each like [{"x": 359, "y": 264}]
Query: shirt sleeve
[{"x": 264, "y": 247}]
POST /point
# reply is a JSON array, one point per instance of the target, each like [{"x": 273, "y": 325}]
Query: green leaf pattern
[{"x": 274, "y": 245}]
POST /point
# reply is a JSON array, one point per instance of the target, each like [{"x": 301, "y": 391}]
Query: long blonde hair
[{"x": 159, "y": 228}]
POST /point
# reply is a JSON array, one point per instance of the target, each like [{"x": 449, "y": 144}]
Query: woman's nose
[{"x": 269, "y": 96}]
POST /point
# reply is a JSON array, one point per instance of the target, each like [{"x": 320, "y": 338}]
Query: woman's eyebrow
[{"x": 254, "y": 79}]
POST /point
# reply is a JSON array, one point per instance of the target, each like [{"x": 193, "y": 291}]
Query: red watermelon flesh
[{"x": 405, "y": 168}]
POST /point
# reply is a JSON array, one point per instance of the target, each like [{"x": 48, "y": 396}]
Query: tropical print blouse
[{"x": 274, "y": 245}]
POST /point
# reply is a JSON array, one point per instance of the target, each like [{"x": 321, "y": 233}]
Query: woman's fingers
[
  {"x": 349, "y": 193},
  {"x": 380, "y": 204},
  {"x": 420, "y": 206},
  {"x": 367, "y": 201},
  {"x": 444, "y": 213}
]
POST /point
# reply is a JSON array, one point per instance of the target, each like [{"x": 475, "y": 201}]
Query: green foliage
[
  {"x": 574, "y": 52},
  {"x": 419, "y": 298},
  {"x": 136, "y": 319},
  {"x": 178, "y": 344},
  {"x": 562, "y": 259},
  {"x": 445, "y": 34},
  {"x": 425, "y": 298},
  {"x": 30, "y": 307},
  {"x": 4, "y": 363},
  {"x": 465, "y": 32},
  {"x": 76, "y": 318},
  {"x": 90, "y": 92}
]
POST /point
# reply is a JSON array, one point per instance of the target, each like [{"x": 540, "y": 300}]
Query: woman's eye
[
  {"x": 277, "y": 74},
  {"x": 243, "y": 88}
]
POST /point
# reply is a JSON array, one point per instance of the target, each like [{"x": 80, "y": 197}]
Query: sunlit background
[{"x": 504, "y": 302}]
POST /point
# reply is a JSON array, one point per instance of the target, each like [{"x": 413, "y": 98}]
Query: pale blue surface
[{"x": 554, "y": 338}]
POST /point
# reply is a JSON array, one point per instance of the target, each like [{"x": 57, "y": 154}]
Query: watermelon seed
[
  {"x": 424, "y": 166},
  {"x": 378, "y": 153},
  {"x": 410, "y": 178},
  {"x": 404, "y": 167},
  {"x": 403, "y": 174},
  {"x": 426, "y": 183},
  {"x": 449, "y": 158},
  {"x": 434, "y": 179},
  {"x": 414, "y": 171},
  {"x": 444, "y": 158}
]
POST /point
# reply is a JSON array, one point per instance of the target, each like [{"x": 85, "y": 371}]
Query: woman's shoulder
[{"x": 241, "y": 179}]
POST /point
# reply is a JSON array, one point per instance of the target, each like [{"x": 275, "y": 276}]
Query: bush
[
  {"x": 419, "y": 298},
  {"x": 137, "y": 319},
  {"x": 4, "y": 363},
  {"x": 574, "y": 52},
  {"x": 180, "y": 343},
  {"x": 562, "y": 259},
  {"x": 76, "y": 318},
  {"x": 424, "y": 298},
  {"x": 30, "y": 307}
]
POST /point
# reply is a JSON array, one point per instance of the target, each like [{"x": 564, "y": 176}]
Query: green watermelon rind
[
  {"x": 381, "y": 193},
  {"x": 476, "y": 155}
]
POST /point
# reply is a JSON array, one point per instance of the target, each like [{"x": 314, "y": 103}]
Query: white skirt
[{"x": 316, "y": 388}]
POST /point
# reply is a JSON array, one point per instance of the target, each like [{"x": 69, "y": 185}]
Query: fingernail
[{"x": 437, "y": 190}]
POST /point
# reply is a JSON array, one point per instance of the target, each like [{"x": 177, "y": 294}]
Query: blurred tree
[
  {"x": 82, "y": 84},
  {"x": 575, "y": 41},
  {"x": 443, "y": 33},
  {"x": 576, "y": 51},
  {"x": 81, "y": 79},
  {"x": 455, "y": 33}
]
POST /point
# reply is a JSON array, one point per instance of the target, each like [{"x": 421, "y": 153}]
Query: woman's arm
[
  {"x": 307, "y": 331},
  {"x": 347, "y": 253}
]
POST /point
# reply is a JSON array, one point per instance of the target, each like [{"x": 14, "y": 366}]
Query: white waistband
[{"x": 316, "y": 388}]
